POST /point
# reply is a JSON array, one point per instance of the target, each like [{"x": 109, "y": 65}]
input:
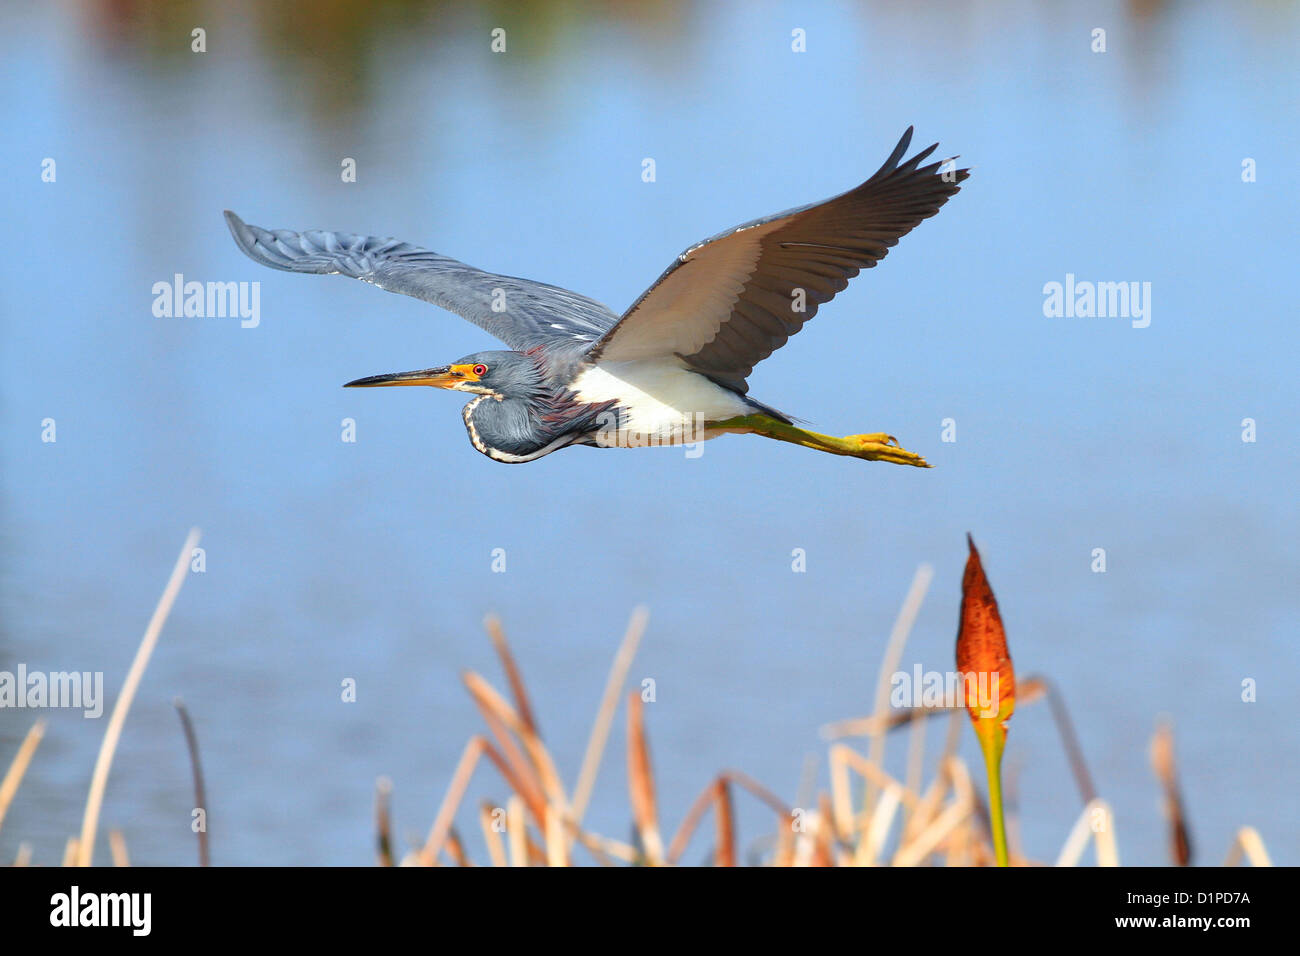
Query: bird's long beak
[{"x": 445, "y": 376}]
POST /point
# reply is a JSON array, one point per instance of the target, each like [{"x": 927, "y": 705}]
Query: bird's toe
[{"x": 883, "y": 447}]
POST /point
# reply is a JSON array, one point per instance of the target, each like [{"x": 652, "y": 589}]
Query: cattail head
[{"x": 982, "y": 655}]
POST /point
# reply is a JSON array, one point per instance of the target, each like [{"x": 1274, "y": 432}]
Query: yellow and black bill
[{"x": 444, "y": 376}]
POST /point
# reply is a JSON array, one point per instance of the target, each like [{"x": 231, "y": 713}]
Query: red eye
[{"x": 480, "y": 370}]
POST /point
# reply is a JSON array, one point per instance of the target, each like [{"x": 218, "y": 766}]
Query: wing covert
[{"x": 731, "y": 301}]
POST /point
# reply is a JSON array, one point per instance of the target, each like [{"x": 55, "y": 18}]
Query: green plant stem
[{"x": 992, "y": 744}]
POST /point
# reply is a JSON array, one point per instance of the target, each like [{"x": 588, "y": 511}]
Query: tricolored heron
[{"x": 672, "y": 369}]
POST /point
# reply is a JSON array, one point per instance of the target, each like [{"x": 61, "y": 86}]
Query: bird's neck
[{"x": 513, "y": 429}]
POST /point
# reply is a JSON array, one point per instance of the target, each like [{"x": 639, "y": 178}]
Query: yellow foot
[
  {"x": 880, "y": 438},
  {"x": 878, "y": 446}
]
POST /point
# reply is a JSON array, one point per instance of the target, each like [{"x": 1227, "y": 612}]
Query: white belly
[{"x": 662, "y": 402}]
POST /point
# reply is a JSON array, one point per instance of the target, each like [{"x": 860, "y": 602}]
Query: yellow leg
[{"x": 876, "y": 446}]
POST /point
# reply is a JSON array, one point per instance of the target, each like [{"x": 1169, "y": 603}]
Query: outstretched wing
[
  {"x": 521, "y": 313},
  {"x": 731, "y": 301}
]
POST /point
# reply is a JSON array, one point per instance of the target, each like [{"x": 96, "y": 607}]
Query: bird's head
[{"x": 499, "y": 374}]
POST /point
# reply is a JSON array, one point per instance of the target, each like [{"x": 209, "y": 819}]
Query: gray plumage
[{"x": 528, "y": 313}]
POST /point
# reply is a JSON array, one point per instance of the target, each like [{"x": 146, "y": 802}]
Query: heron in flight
[{"x": 673, "y": 368}]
